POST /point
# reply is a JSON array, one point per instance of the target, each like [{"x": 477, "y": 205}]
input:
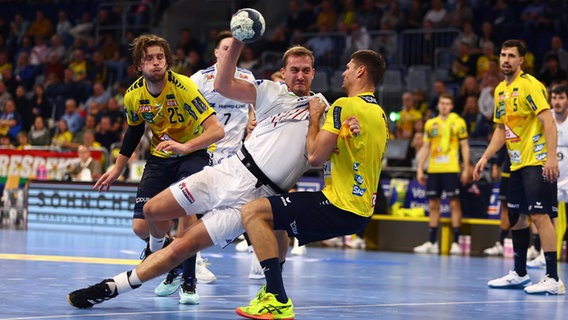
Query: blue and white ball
[{"x": 247, "y": 25}]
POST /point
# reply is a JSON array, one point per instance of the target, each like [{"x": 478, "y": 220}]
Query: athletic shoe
[
  {"x": 538, "y": 262},
  {"x": 532, "y": 253},
  {"x": 511, "y": 281},
  {"x": 496, "y": 250},
  {"x": 242, "y": 246},
  {"x": 455, "y": 249},
  {"x": 188, "y": 292},
  {"x": 427, "y": 247},
  {"x": 146, "y": 252},
  {"x": 265, "y": 306},
  {"x": 255, "y": 272},
  {"x": 203, "y": 274},
  {"x": 333, "y": 242},
  {"x": 88, "y": 297},
  {"x": 547, "y": 286},
  {"x": 356, "y": 243},
  {"x": 170, "y": 284}
]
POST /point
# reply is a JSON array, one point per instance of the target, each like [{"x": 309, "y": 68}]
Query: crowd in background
[{"x": 64, "y": 75}]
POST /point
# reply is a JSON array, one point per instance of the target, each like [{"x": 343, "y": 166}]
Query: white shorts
[{"x": 220, "y": 191}]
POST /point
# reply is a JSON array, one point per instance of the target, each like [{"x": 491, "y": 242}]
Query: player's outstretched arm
[{"x": 226, "y": 83}]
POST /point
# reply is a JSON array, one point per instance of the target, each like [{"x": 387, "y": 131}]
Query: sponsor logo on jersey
[
  {"x": 170, "y": 96},
  {"x": 187, "y": 108},
  {"x": 369, "y": 99},
  {"x": 294, "y": 227},
  {"x": 510, "y": 134},
  {"x": 210, "y": 77},
  {"x": 356, "y": 166},
  {"x": 515, "y": 93},
  {"x": 358, "y": 191},
  {"x": 285, "y": 201},
  {"x": 145, "y": 108},
  {"x": 337, "y": 117},
  {"x": 538, "y": 148},
  {"x": 531, "y": 102},
  {"x": 515, "y": 156},
  {"x": 358, "y": 178},
  {"x": 199, "y": 104},
  {"x": 171, "y": 103},
  {"x": 148, "y": 117},
  {"x": 144, "y": 101},
  {"x": 541, "y": 156},
  {"x": 133, "y": 116},
  {"x": 536, "y": 137},
  {"x": 186, "y": 193},
  {"x": 243, "y": 76}
]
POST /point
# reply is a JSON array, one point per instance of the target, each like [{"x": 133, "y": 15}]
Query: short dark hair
[
  {"x": 514, "y": 43},
  {"x": 222, "y": 35},
  {"x": 373, "y": 61},
  {"x": 559, "y": 89}
]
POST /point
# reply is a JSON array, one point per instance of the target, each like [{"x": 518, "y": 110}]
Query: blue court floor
[{"x": 38, "y": 269}]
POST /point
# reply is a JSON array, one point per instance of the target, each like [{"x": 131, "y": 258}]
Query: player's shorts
[
  {"x": 228, "y": 184},
  {"x": 223, "y": 225},
  {"x": 503, "y": 188},
  {"x": 437, "y": 183},
  {"x": 529, "y": 193},
  {"x": 160, "y": 173},
  {"x": 310, "y": 217}
]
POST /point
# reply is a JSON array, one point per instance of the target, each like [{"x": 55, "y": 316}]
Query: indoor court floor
[{"x": 39, "y": 267}]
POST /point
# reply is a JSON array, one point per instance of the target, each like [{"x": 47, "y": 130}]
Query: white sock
[
  {"x": 156, "y": 243},
  {"x": 127, "y": 281}
]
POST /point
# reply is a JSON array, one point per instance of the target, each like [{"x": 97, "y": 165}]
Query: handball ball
[{"x": 247, "y": 25}]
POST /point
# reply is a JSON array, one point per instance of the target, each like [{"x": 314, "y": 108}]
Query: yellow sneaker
[{"x": 265, "y": 306}]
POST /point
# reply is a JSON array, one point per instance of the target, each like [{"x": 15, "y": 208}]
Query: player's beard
[{"x": 155, "y": 77}]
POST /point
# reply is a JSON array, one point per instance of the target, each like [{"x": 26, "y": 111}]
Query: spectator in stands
[
  {"x": 437, "y": 14},
  {"x": 4, "y": 95},
  {"x": 39, "y": 134},
  {"x": 38, "y": 55},
  {"x": 386, "y": 43},
  {"x": 79, "y": 137},
  {"x": 348, "y": 14},
  {"x": 100, "y": 96},
  {"x": 486, "y": 99},
  {"x": 298, "y": 20},
  {"x": 79, "y": 66},
  {"x": 326, "y": 19},
  {"x": 407, "y": 117},
  {"x": 420, "y": 102},
  {"x": 444, "y": 137},
  {"x": 57, "y": 47},
  {"x": 556, "y": 47},
  {"x": 483, "y": 62},
  {"x": 357, "y": 38},
  {"x": 84, "y": 28},
  {"x": 279, "y": 41},
  {"x": 463, "y": 64},
  {"x": 63, "y": 27},
  {"x": 7, "y": 76},
  {"x": 504, "y": 20},
  {"x": 470, "y": 113},
  {"x": 89, "y": 140},
  {"x": 99, "y": 71},
  {"x": 39, "y": 102},
  {"x": 208, "y": 53},
  {"x": 461, "y": 13},
  {"x": 104, "y": 133},
  {"x": 486, "y": 35},
  {"x": 74, "y": 120},
  {"x": 62, "y": 134},
  {"x": 86, "y": 168},
  {"x": 116, "y": 116},
  {"x": 534, "y": 19},
  {"x": 41, "y": 26},
  {"x": 414, "y": 15},
  {"x": 24, "y": 108},
  {"x": 369, "y": 16},
  {"x": 552, "y": 74},
  {"x": 469, "y": 87},
  {"x": 23, "y": 140},
  {"x": 393, "y": 17},
  {"x": 5, "y": 62},
  {"x": 24, "y": 71},
  {"x": 18, "y": 28},
  {"x": 468, "y": 36},
  {"x": 54, "y": 66},
  {"x": 5, "y": 142},
  {"x": 10, "y": 120}
]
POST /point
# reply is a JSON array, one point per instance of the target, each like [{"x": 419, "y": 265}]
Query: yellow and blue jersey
[
  {"x": 176, "y": 114},
  {"x": 352, "y": 172}
]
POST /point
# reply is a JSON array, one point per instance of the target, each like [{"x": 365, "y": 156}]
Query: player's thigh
[{"x": 163, "y": 206}]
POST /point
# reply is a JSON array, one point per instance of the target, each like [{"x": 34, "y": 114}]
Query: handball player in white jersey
[
  {"x": 273, "y": 159},
  {"x": 559, "y": 102}
]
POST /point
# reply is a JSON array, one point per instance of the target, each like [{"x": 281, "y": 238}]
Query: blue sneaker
[{"x": 170, "y": 284}]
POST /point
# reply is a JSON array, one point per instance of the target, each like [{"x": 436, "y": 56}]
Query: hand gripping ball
[{"x": 247, "y": 25}]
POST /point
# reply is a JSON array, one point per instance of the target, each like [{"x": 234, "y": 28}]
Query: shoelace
[{"x": 188, "y": 286}]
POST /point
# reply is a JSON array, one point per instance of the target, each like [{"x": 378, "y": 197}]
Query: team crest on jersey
[{"x": 148, "y": 117}]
